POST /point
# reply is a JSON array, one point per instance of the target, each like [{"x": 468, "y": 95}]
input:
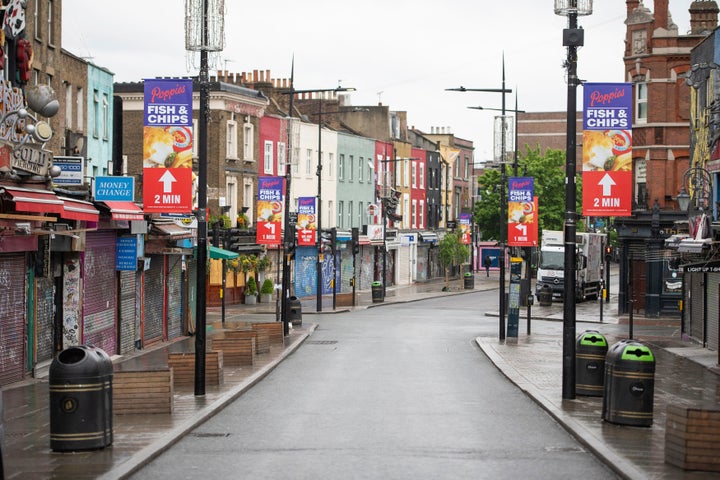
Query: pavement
[{"x": 685, "y": 374}]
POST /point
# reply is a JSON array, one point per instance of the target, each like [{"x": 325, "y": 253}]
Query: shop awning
[
  {"x": 175, "y": 232},
  {"x": 218, "y": 253},
  {"x": 79, "y": 210},
  {"x": 36, "y": 201},
  {"x": 123, "y": 210},
  {"x": 428, "y": 237}
]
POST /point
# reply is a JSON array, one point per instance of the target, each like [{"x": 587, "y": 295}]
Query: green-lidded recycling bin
[
  {"x": 294, "y": 310},
  {"x": 376, "y": 289},
  {"x": 80, "y": 384},
  {"x": 469, "y": 281},
  {"x": 590, "y": 350},
  {"x": 629, "y": 384}
]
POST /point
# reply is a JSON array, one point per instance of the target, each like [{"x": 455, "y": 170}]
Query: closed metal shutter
[
  {"x": 403, "y": 255},
  {"x": 44, "y": 308},
  {"x": 713, "y": 313},
  {"x": 154, "y": 299},
  {"x": 99, "y": 298},
  {"x": 12, "y": 318},
  {"x": 127, "y": 311},
  {"x": 697, "y": 309},
  {"x": 422, "y": 263},
  {"x": 174, "y": 296}
]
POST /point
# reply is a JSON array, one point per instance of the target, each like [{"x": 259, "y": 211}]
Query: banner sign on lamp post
[
  {"x": 307, "y": 222},
  {"x": 270, "y": 210},
  {"x": 607, "y": 150},
  {"x": 167, "y": 146},
  {"x": 522, "y": 222}
]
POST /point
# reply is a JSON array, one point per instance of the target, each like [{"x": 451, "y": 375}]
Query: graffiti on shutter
[
  {"x": 12, "y": 313},
  {"x": 99, "y": 298},
  {"x": 44, "y": 308}
]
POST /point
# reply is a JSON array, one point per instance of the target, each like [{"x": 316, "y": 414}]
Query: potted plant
[
  {"x": 266, "y": 291},
  {"x": 251, "y": 291}
]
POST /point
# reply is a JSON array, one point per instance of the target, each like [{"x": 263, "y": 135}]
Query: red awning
[
  {"x": 79, "y": 210},
  {"x": 37, "y": 201},
  {"x": 124, "y": 210}
]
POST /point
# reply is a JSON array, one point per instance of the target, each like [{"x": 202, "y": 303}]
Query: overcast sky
[{"x": 403, "y": 53}]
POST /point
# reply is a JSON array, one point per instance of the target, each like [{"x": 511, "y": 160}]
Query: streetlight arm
[
  {"x": 497, "y": 109},
  {"x": 491, "y": 90}
]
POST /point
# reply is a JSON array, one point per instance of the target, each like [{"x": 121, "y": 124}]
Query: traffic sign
[
  {"x": 167, "y": 190},
  {"x": 607, "y": 193}
]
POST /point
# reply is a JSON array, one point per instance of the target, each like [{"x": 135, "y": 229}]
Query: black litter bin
[
  {"x": 469, "y": 281},
  {"x": 294, "y": 310},
  {"x": 590, "y": 351},
  {"x": 376, "y": 289},
  {"x": 545, "y": 296},
  {"x": 106, "y": 374},
  {"x": 629, "y": 384},
  {"x": 80, "y": 385}
]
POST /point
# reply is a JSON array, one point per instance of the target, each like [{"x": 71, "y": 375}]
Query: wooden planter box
[
  {"x": 273, "y": 329},
  {"x": 183, "y": 365},
  {"x": 236, "y": 351},
  {"x": 692, "y": 438},
  {"x": 344, "y": 299},
  {"x": 146, "y": 391},
  {"x": 262, "y": 339}
]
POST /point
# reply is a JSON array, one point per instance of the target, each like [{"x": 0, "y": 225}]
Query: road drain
[
  {"x": 321, "y": 342},
  {"x": 209, "y": 435}
]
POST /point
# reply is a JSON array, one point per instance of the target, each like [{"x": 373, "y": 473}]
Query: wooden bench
[
  {"x": 692, "y": 438},
  {"x": 183, "y": 365},
  {"x": 236, "y": 351},
  {"x": 274, "y": 331},
  {"x": 145, "y": 391},
  {"x": 262, "y": 339}
]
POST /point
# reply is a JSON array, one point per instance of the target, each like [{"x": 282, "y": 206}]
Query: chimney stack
[{"x": 703, "y": 16}]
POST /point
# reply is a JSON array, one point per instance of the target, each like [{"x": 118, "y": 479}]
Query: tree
[
  {"x": 451, "y": 252},
  {"x": 548, "y": 170}
]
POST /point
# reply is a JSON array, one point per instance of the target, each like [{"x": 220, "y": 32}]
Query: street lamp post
[
  {"x": 503, "y": 214},
  {"x": 319, "y": 242},
  {"x": 203, "y": 33},
  {"x": 572, "y": 38}
]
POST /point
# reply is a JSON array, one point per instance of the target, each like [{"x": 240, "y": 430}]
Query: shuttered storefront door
[
  {"x": 154, "y": 298},
  {"x": 12, "y": 318},
  {"x": 713, "y": 314},
  {"x": 127, "y": 311},
  {"x": 174, "y": 296},
  {"x": 99, "y": 297},
  {"x": 697, "y": 309},
  {"x": 44, "y": 314}
]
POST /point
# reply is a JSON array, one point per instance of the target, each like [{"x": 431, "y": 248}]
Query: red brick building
[
  {"x": 657, "y": 57},
  {"x": 546, "y": 130}
]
